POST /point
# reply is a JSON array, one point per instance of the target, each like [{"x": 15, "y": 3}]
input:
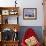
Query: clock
[{"x": 5, "y": 12}]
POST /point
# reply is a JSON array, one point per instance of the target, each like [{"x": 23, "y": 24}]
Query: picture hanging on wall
[{"x": 29, "y": 13}]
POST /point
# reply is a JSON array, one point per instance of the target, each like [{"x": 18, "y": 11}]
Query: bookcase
[{"x": 9, "y": 26}]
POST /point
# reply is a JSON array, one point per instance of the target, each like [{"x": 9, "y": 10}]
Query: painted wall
[
  {"x": 27, "y": 4},
  {"x": 32, "y": 4}
]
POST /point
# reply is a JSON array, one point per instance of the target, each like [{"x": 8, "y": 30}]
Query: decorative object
[
  {"x": 30, "y": 13},
  {"x": 15, "y": 3},
  {"x": 13, "y": 12},
  {"x": 5, "y": 12}
]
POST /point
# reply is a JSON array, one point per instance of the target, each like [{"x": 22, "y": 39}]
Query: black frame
[{"x": 27, "y": 11}]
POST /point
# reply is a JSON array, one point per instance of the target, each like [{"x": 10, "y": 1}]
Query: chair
[{"x": 28, "y": 34}]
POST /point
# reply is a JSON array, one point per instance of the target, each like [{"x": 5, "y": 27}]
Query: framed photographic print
[
  {"x": 5, "y": 12},
  {"x": 30, "y": 13}
]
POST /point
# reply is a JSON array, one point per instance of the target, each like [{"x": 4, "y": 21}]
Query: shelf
[
  {"x": 5, "y": 12},
  {"x": 6, "y": 23},
  {"x": 11, "y": 41},
  {"x": 10, "y": 20},
  {"x": 9, "y": 10},
  {"x": 11, "y": 26}
]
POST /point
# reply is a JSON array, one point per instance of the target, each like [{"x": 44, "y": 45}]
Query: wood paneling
[
  {"x": 44, "y": 12},
  {"x": 44, "y": 21}
]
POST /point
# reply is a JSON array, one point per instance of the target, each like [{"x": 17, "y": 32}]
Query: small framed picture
[
  {"x": 30, "y": 13},
  {"x": 5, "y": 12}
]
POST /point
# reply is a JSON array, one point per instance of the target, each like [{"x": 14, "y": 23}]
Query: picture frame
[
  {"x": 29, "y": 13},
  {"x": 5, "y": 12}
]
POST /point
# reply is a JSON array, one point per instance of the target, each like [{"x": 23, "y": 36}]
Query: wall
[
  {"x": 45, "y": 14},
  {"x": 32, "y": 4},
  {"x": 27, "y": 4}
]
